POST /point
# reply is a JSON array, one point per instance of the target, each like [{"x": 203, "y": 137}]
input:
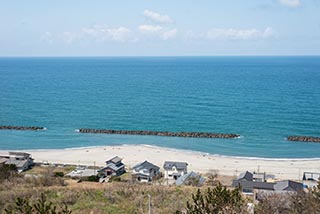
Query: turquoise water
[{"x": 264, "y": 99}]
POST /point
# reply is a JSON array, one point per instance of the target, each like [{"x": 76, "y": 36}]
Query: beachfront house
[
  {"x": 21, "y": 160},
  {"x": 249, "y": 185},
  {"x": 173, "y": 169},
  {"x": 191, "y": 178},
  {"x": 114, "y": 167},
  {"x": 145, "y": 171}
]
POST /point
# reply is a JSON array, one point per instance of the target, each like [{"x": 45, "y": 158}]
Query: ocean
[{"x": 264, "y": 99}]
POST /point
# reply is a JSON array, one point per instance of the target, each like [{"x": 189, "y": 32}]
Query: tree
[
  {"x": 42, "y": 206},
  {"x": 215, "y": 200}
]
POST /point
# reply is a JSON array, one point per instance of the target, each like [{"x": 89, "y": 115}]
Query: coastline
[{"x": 198, "y": 161}]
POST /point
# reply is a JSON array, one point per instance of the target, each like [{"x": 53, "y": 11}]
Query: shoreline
[{"x": 198, "y": 161}]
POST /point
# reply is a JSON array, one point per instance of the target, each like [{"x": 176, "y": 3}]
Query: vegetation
[
  {"x": 7, "y": 171},
  {"x": 41, "y": 206},
  {"x": 45, "y": 192},
  {"x": 215, "y": 200}
]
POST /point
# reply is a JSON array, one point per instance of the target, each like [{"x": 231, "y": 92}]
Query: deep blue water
[{"x": 264, "y": 99}]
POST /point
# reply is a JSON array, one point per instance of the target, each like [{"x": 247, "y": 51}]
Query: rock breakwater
[
  {"x": 159, "y": 133},
  {"x": 23, "y": 128},
  {"x": 304, "y": 139}
]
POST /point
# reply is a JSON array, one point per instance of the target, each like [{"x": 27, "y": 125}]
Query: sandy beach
[{"x": 199, "y": 162}]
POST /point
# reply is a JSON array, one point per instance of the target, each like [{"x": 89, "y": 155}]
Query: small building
[
  {"x": 311, "y": 176},
  {"x": 173, "y": 170},
  {"x": 22, "y": 160},
  {"x": 145, "y": 171},
  {"x": 190, "y": 178},
  {"x": 114, "y": 167}
]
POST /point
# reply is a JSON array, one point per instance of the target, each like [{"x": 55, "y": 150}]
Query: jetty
[
  {"x": 159, "y": 133},
  {"x": 304, "y": 139},
  {"x": 23, "y": 128}
]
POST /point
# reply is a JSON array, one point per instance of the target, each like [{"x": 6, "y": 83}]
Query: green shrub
[{"x": 58, "y": 174}]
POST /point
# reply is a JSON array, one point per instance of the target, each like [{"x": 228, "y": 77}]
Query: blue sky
[{"x": 159, "y": 28}]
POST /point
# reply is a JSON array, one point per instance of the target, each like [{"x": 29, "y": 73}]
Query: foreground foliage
[{"x": 215, "y": 200}]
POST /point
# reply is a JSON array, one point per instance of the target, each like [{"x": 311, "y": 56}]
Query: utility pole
[
  {"x": 94, "y": 168},
  {"x": 149, "y": 204}
]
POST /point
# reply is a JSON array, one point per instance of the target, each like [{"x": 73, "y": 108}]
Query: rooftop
[
  {"x": 145, "y": 165},
  {"x": 179, "y": 165}
]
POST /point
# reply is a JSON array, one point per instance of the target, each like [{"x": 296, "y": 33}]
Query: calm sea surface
[{"x": 264, "y": 99}]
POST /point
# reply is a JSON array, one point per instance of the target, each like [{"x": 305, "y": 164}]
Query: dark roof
[
  {"x": 246, "y": 176},
  {"x": 113, "y": 167},
  {"x": 179, "y": 165},
  {"x": 253, "y": 185},
  {"x": 115, "y": 159},
  {"x": 288, "y": 185},
  {"x": 145, "y": 165}
]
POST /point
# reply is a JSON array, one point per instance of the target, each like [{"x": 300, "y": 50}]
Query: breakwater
[
  {"x": 304, "y": 139},
  {"x": 159, "y": 133},
  {"x": 23, "y": 128}
]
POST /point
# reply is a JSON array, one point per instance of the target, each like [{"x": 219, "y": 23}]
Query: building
[
  {"x": 114, "y": 167},
  {"x": 173, "y": 170},
  {"x": 190, "y": 178},
  {"x": 21, "y": 160},
  {"x": 145, "y": 171}
]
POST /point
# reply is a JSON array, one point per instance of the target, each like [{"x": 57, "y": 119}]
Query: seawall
[
  {"x": 159, "y": 133},
  {"x": 304, "y": 139}
]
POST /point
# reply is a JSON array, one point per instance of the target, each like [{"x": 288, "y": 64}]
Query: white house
[
  {"x": 173, "y": 170},
  {"x": 145, "y": 171}
]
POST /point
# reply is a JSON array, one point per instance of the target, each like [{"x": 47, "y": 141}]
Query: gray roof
[
  {"x": 185, "y": 178},
  {"x": 246, "y": 176},
  {"x": 115, "y": 159},
  {"x": 244, "y": 184},
  {"x": 113, "y": 167},
  {"x": 20, "y": 154},
  {"x": 179, "y": 165},
  {"x": 18, "y": 163},
  {"x": 145, "y": 165},
  {"x": 288, "y": 185}
]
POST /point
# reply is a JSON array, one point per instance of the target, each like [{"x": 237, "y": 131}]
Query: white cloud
[
  {"x": 69, "y": 37},
  {"x": 149, "y": 28},
  {"x": 157, "y": 17},
  {"x": 47, "y": 37},
  {"x": 239, "y": 34},
  {"x": 103, "y": 33},
  {"x": 290, "y": 3},
  {"x": 169, "y": 34}
]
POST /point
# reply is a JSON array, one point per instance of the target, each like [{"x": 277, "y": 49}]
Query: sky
[{"x": 159, "y": 28}]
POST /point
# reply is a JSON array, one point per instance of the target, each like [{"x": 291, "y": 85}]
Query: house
[
  {"x": 190, "y": 178},
  {"x": 256, "y": 184},
  {"x": 311, "y": 176},
  {"x": 145, "y": 171},
  {"x": 22, "y": 160},
  {"x": 114, "y": 167},
  {"x": 173, "y": 170}
]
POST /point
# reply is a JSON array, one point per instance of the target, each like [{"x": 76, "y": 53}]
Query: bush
[
  {"x": 216, "y": 200},
  {"x": 92, "y": 178},
  {"x": 58, "y": 174},
  {"x": 7, "y": 171},
  {"x": 114, "y": 179}
]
